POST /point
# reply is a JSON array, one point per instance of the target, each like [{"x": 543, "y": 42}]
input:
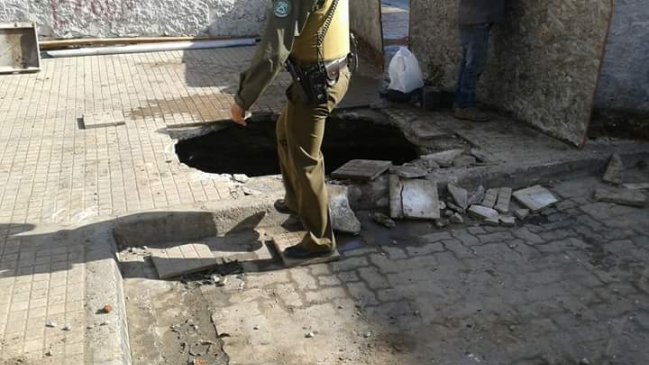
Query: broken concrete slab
[
  {"x": 480, "y": 156},
  {"x": 614, "y": 171},
  {"x": 522, "y": 213},
  {"x": 384, "y": 220},
  {"x": 408, "y": 172},
  {"x": 492, "y": 221},
  {"x": 535, "y": 198},
  {"x": 490, "y": 198},
  {"x": 342, "y": 216},
  {"x": 183, "y": 259},
  {"x": 636, "y": 186},
  {"x": 363, "y": 170},
  {"x": 504, "y": 199},
  {"x": 285, "y": 240},
  {"x": 460, "y": 195},
  {"x": 413, "y": 199},
  {"x": 477, "y": 196},
  {"x": 482, "y": 212},
  {"x": 445, "y": 158},
  {"x": 634, "y": 198},
  {"x": 508, "y": 221},
  {"x": 454, "y": 207}
]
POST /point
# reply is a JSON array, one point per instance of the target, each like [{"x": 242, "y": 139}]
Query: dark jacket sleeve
[{"x": 273, "y": 50}]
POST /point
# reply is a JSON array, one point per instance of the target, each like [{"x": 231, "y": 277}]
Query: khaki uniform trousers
[{"x": 300, "y": 130}]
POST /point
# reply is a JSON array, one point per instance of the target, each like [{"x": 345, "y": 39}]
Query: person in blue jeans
[{"x": 476, "y": 17}]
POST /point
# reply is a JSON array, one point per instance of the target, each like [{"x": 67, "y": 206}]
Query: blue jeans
[{"x": 475, "y": 46}]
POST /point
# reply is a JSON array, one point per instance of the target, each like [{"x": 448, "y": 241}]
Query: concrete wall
[
  {"x": 624, "y": 81},
  {"x": 123, "y": 18},
  {"x": 366, "y": 22},
  {"x": 544, "y": 61}
]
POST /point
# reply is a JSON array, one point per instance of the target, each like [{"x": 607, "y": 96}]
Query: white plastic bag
[{"x": 405, "y": 73}]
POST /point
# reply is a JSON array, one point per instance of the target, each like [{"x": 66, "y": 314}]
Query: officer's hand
[{"x": 238, "y": 114}]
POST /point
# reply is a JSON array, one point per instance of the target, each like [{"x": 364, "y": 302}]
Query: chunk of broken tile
[
  {"x": 508, "y": 221},
  {"x": 464, "y": 161},
  {"x": 460, "y": 195},
  {"x": 504, "y": 198},
  {"x": 364, "y": 170},
  {"x": 477, "y": 196},
  {"x": 489, "y": 199},
  {"x": 614, "y": 171},
  {"x": 342, "y": 216},
  {"x": 408, "y": 172},
  {"x": 522, "y": 213},
  {"x": 384, "y": 220},
  {"x": 456, "y": 219},
  {"x": 445, "y": 158},
  {"x": 535, "y": 198},
  {"x": 634, "y": 198},
  {"x": 413, "y": 198},
  {"x": 482, "y": 212}
]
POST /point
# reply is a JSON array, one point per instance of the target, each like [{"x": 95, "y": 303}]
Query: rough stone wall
[
  {"x": 366, "y": 22},
  {"x": 124, "y": 18},
  {"x": 544, "y": 61},
  {"x": 624, "y": 81}
]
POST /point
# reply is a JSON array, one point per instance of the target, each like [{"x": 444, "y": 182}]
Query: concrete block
[
  {"x": 535, "y": 198},
  {"x": 522, "y": 213},
  {"x": 408, "y": 172},
  {"x": 482, "y": 212},
  {"x": 445, "y": 158},
  {"x": 490, "y": 198},
  {"x": 614, "y": 171},
  {"x": 460, "y": 195},
  {"x": 413, "y": 199},
  {"x": 477, "y": 196},
  {"x": 636, "y": 186},
  {"x": 504, "y": 198},
  {"x": 508, "y": 221},
  {"x": 342, "y": 216},
  {"x": 364, "y": 170},
  {"x": 634, "y": 198},
  {"x": 282, "y": 241}
]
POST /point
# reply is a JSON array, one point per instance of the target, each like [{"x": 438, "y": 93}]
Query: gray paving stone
[
  {"x": 504, "y": 199},
  {"x": 535, "y": 198},
  {"x": 490, "y": 198},
  {"x": 362, "y": 170},
  {"x": 445, "y": 158},
  {"x": 413, "y": 199},
  {"x": 481, "y": 212},
  {"x": 632, "y": 198}
]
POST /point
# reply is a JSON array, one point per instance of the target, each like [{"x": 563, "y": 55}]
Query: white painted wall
[{"x": 131, "y": 18}]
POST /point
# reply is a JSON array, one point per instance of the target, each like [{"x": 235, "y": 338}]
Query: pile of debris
[
  {"x": 412, "y": 196},
  {"x": 620, "y": 193}
]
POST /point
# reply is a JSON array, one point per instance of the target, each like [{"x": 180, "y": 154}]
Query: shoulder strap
[{"x": 325, "y": 27}]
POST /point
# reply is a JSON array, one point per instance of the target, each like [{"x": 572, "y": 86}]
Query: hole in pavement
[{"x": 252, "y": 150}]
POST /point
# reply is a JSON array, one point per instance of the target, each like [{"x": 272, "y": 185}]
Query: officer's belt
[{"x": 333, "y": 67}]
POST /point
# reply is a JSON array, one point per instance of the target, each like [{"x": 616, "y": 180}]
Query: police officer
[{"x": 312, "y": 37}]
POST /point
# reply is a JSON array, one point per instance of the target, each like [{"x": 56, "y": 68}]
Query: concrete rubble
[
  {"x": 614, "y": 171},
  {"x": 460, "y": 195},
  {"x": 477, "y": 196},
  {"x": 408, "y": 171},
  {"x": 482, "y": 212},
  {"x": 413, "y": 199},
  {"x": 535, "y": 198},
  {"x": 522, "y": 213},
  {"x": 342, "y": 215},
  {"x": 445, "y": 158},
  {"x": 634, "y": 198},
  {"x": 384, "y": 220},
  {"x": 490, "y": 198},
  {"x": 504, "y": 198}
]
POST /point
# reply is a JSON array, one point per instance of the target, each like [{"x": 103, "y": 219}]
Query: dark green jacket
[{"x": 274, "y": 48}]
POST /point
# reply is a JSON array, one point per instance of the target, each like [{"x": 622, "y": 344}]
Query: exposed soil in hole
[
  {"x": 252, "y": 150},
  {"x": 619, "y": 124}
]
